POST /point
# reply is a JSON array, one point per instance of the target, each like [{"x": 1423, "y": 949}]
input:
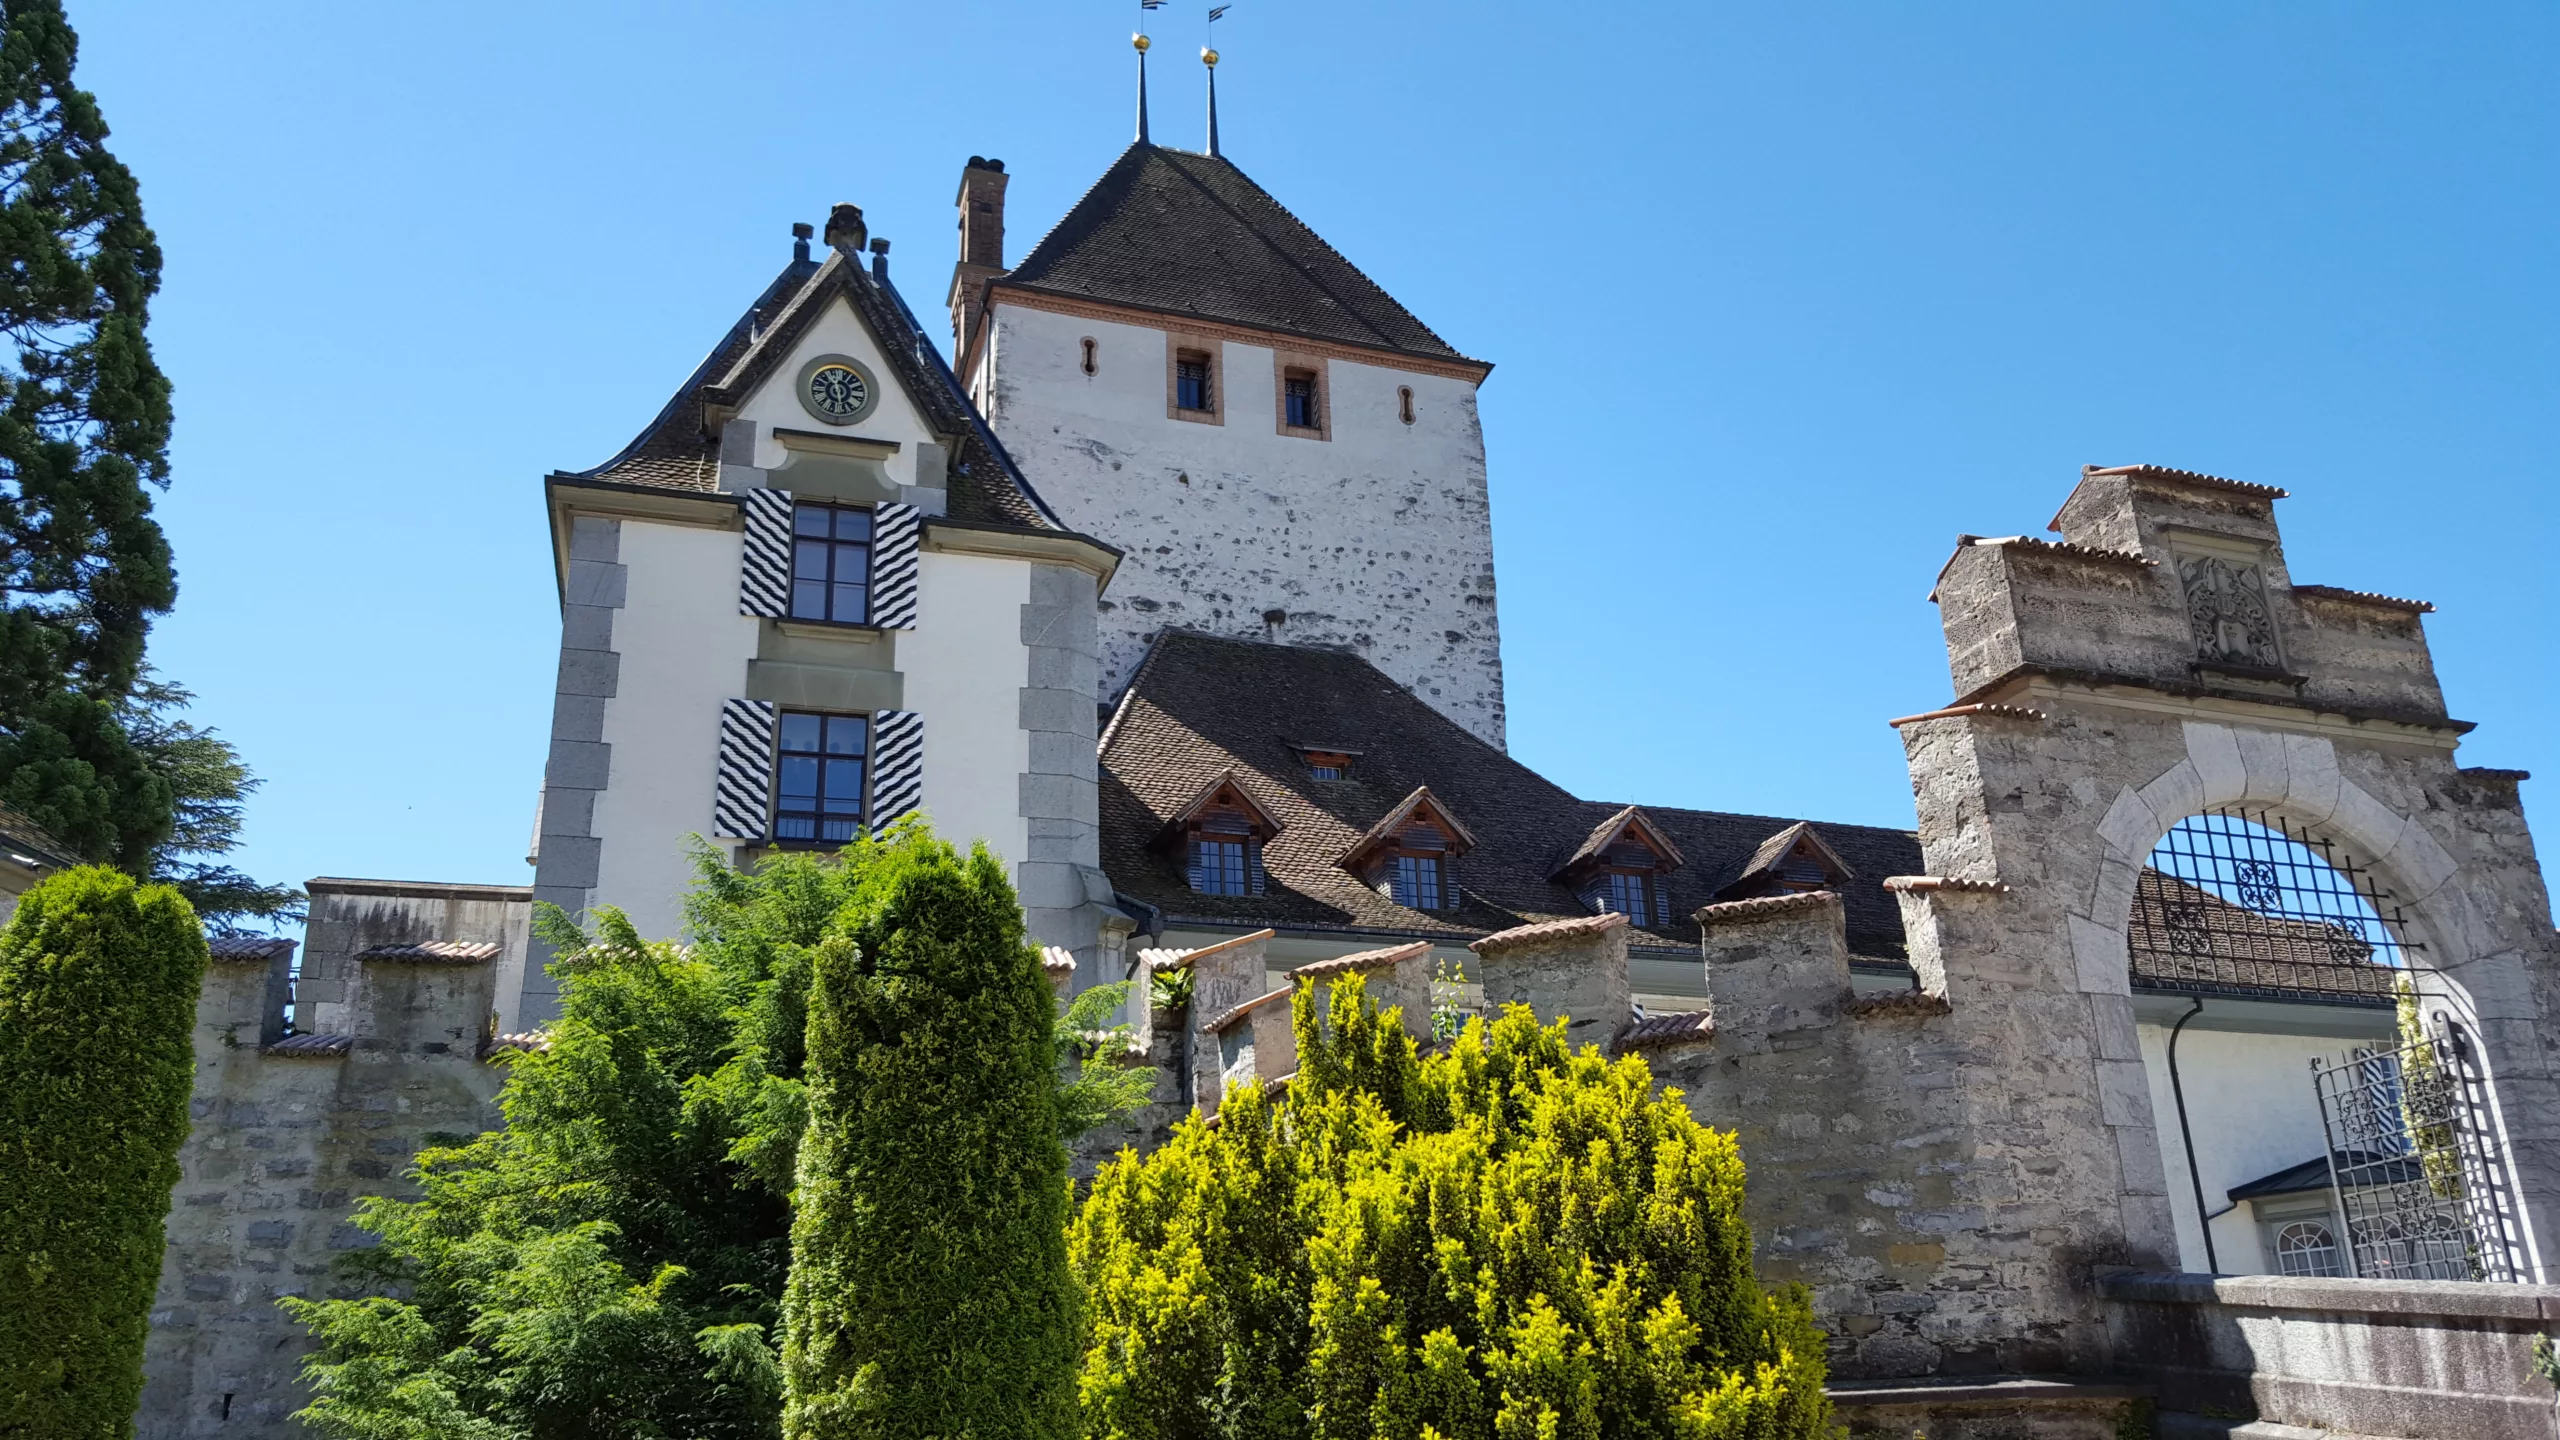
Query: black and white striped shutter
[
  {"x": 742, "y": 790},
  {"x": 897, "y": 767},
  {"x": 897, "y": 534},
  {"x": 764, "y": 575}
]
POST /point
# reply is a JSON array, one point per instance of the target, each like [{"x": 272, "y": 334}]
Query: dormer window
[
  {"x": 1794, "y": 861},
  {"x": 1624, "y": 867},
  {"x": 1409, "y": 856},
  {"x": 1220, "y": 835},
  {"x": 1326, "y": 763}
]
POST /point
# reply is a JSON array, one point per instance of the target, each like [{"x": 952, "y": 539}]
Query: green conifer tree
[
  {"x": 1505, "y": 1242},
  {"x": 84, "y": 429},
  {"x": 929, "y": 1292},
  {"x": 98, "y": 981}
]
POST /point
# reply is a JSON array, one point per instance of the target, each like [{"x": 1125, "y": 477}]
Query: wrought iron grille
[
  {"x": 2237, "y": 902},
  {"x": 2419, "y": 1176}
]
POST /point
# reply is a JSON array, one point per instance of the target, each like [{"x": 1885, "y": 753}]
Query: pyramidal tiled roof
[{"x": 1187, "y": 234}]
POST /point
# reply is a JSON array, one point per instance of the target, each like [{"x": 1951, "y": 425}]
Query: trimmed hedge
[
  {"x": 929, "y": 1292},
  {"x": 98, "y": 981}
]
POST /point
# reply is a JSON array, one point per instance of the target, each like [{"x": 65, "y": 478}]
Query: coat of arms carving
[{"x": 2227, "y": 605}]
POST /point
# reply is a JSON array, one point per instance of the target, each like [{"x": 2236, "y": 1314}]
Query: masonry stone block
[
  {"x": 2099, "y": 957},
  {"x": 2175, "y": 795},
  {"x": 2130, "y": 826},
  {"x": 1064, "y": 711},
  {"x": 1576, "y": 970},
  {"x": 590, "y": 672},
  {"x": 2311, "y": 777},
  {"x": 591, "y": 582},
  {"x": 595, "y": 537},
  {"x": 571, "y": 860},
  {"x": 2138, "y": 1158},
  {"x": 1057, "y": 753},
  {"x": 578, "y": 765},
  {"x": 2221, "y": 770},
  {"x": 1064, "y": 797}
]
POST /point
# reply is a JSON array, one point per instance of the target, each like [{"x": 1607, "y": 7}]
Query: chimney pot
[
  {"x": 800, "y": 233},
  {"x": 845, "y": 230},
  {"x": 880, "y": 259}
]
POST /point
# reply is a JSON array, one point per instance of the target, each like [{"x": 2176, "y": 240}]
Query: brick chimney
[{"x": 981, "y": 203}]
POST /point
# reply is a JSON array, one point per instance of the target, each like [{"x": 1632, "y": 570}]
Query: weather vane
[{"x": 1209, "y": 58}]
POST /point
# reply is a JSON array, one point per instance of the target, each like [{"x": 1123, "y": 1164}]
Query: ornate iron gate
[{"x": 2415, "y": 1164}]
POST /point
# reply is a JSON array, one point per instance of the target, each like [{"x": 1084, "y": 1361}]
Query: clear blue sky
[{"x": 1782, "y": 298}]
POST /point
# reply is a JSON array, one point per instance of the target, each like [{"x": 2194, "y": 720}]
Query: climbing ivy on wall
[
  {"x": 1507, "y": 1240},
  {"x": 929, "y": 1291},
  {"x": 98, "y": 982}
]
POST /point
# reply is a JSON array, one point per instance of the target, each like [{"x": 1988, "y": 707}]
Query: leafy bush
[
  {"x": 1507, "y": 1241},
  {"x": 98, "y": 982}
]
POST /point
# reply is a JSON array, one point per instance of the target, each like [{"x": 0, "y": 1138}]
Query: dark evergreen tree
[
  {"x": 98, "y": 980},
  {"x": 929, "y": 1292},
  {"x": 209, "y": 785},
  {"x": 84, "y": 429}
]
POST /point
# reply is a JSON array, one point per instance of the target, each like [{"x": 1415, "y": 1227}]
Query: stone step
[{"x": 2180, "y": 1425}]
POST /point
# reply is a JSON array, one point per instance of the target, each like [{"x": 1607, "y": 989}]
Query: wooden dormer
[
  {"x": 1624, "y": 867},
  {"x": 1409, "y": 854},
  {"x": 1794, "y": 861},
  {"x": 1219, "y": 836}
]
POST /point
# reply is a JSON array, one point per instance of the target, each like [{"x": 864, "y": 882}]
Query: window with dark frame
[
  {"x": 1641, "y": 895},
  {"x": 1416, "y": 882},
  {"x": 819, "y": 778},
  {"x": 1326, "y": 764},
  {"x": 1225, "y": 865},
  {"x": 1191, "y": 381},
  {"x": 1298, "y": 400},
  {"x": 831, "y": 564}
]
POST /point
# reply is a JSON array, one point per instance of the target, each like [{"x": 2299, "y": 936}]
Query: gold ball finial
[
  {"x": 1208, "y": 57},
  {"x": 1140, "y": 42}
]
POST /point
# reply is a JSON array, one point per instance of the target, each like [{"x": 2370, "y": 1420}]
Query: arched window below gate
[{"x": 2239, "y": 903}]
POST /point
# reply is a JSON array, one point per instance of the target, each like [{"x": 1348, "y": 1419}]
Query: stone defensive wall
[{"x": 291, "y": 1129}]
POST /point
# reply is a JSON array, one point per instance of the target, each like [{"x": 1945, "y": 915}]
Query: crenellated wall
[{"x": 290, "y": 1131}]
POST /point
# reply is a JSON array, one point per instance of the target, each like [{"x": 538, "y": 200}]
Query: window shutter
[
  {"x": 1253, "y": 866},
  {"x": 764, "y": 575},
  {"x": 897, "y": 767},
  {"x": 897, "y": 534},
  {"x": 742, "y": 790}
]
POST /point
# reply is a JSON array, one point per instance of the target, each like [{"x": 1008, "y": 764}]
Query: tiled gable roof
[
  {"x": 1200, "y": 705},
  {"x": 1187, "y": 234},
  {"x": 677, "y": 451}
]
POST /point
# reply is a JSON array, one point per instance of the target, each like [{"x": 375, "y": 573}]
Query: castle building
[{"x": 1176, "y": 590}]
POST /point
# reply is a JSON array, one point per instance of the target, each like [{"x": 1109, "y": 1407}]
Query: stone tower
[{"x": 1282, "y": 451}]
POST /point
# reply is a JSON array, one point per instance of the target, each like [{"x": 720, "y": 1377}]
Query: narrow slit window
[
  {"x": 831, "y": 564},
  {"x": 1191, "y": 381},
  {"x": 1091, "y": 363},
  {"x": 818, "y": 790},
  {"x": 1404, "y": 403}
]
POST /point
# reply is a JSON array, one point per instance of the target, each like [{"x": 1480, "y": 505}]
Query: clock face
[{"x": 838, "y": 392}]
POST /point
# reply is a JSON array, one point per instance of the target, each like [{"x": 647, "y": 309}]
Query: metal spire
[
  {"x": 1209, "y": 58},
  {"x": 1140, "y": 41}
]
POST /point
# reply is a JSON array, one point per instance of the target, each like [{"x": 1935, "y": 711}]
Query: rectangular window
[
  {"x": 1221, "y": 867},
  {"x": 818, "y": 787},
  {"x": 1191, "y": 381},
  {"x": 1324, "y": 770},
  {"x": 1298, "y": 401},
  {"x": 831, "y": 564},
  {"x": 1414, "y": 882}
]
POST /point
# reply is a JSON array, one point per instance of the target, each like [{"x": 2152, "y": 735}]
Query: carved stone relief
[{"x": 2227, "y": 606}]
